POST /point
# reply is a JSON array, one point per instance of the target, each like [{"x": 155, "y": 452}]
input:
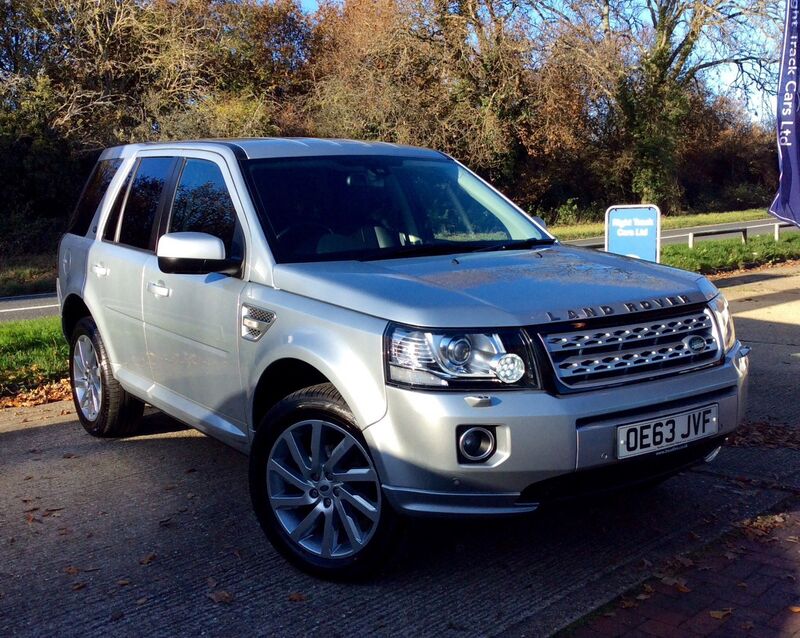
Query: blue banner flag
[{"x": 786, "y": 205}]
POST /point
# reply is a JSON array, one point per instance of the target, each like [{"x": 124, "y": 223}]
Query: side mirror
[
  {"x": 193, "y": 254},
  {"x": 539, "y": 221}
]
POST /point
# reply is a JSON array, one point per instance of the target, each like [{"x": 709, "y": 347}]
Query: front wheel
[{"x": 315, "y": 490}]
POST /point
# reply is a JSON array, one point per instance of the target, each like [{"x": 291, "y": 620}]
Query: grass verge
[
  {"x": 582, "y": 231},
  {"x": 27, "y": 275},
  {"x": 32, "y": 352},
  {"x": 711, "y": 257}
]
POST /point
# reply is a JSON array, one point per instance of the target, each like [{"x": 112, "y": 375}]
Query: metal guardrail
[{"x": 743, "y": 231}]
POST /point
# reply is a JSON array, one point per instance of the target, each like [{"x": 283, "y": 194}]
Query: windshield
[{"x": 377, "y": 207}]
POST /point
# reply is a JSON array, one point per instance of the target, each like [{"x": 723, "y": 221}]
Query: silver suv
[{"x": 384, "y": 333}]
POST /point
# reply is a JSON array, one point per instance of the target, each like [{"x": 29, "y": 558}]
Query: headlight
[
  {"x": 719, "y": 306},
  {"x": 458, "y": 358}
]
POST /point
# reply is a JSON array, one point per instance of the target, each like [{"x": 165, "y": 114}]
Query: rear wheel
[
  {"x": 103, "y": 407},
  {"x": 315, "y": 489}
]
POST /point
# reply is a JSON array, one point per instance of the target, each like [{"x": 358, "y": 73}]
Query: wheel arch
[
  {"x": 278, "y": 380},
  {"x": 72, "y": 311}
]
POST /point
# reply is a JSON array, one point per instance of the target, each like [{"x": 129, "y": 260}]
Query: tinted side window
[
  {"x": 202, "y": 204},
  {"x": 110, "y": 229},
  {"x": 92, "y": 195},
  {"x": 142, "y": 203}
]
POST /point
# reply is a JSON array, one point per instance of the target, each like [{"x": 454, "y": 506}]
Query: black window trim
[{"x": 122, "y": 192}]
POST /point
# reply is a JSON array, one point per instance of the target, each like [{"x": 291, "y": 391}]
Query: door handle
[
  {"x": 100, "y": 270},
  {"x": 158, "y": 289}
]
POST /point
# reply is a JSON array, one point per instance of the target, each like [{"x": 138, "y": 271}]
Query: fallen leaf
[
  {"x": 221, "y": 596},
  {"x": 78, "y": 586},
  {"x": 648, "y": 589},
  {"x": 742, "y": 585},
  {"x": 123, "y": 582},
  {"x": 72, "y": 570},
  {"x": 682, "y": 588},
  {"x": 141, "y": 601},
  {"x": 721, "y": 614},
  {"x": 642, "y": 596},
  {"x": 795, "y": 609},
  {"x": 747, "y": 626},
  {"x": 297, "y": 597},
  {"x": 147, "y": 559},
  {"x": 627, "y": 603}
]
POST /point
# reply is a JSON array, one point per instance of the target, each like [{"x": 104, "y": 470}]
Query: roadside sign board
[{"x": 634, "y": 231}]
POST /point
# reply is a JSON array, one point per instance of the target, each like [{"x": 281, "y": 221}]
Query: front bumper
[{"x": 543, "y": 440}]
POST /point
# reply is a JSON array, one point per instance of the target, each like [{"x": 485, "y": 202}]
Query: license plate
[{"x": 665, "y": 432}]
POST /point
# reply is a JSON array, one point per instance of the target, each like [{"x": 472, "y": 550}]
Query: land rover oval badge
[{"x": 695, "y": 344}]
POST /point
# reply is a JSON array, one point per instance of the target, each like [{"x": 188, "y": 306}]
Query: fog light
[{"x": 476, "y": 444}]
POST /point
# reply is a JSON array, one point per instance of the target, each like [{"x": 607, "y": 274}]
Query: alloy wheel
[
  {"x": 86, "y": 377},
  {"x": 323, "y": 489}
]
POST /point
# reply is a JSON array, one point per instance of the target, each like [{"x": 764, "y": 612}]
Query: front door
[{"x": 192, "y": 321}]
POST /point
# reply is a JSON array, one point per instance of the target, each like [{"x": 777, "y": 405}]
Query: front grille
[{"x": 617, "y": 353}]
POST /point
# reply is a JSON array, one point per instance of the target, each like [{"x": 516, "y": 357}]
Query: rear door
[
  {"x": 192, "y": 321},
  {"x": 116, "y": 263}
]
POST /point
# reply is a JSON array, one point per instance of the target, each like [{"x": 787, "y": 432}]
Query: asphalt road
[
  {"x": 130, "y": 537},
  {"x": 28, "y": 307}
]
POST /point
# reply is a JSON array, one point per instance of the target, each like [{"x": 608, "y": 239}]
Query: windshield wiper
[
  {"x": 412, "y": 250},
  {"x": 517, "y": 244}
]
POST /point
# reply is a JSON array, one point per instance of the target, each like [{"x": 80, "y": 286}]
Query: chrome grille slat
[
  {"x": 621, "y": 352},
  {"x": 628, "y": 333}
]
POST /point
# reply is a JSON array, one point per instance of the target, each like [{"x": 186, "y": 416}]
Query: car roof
[{"x": 277, "y": 147}]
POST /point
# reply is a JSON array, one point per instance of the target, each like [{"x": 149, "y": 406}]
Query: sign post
[{"x": 634, "y": 231}]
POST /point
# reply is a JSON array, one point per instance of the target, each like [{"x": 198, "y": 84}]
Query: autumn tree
[{"x": 647, "y": 55}]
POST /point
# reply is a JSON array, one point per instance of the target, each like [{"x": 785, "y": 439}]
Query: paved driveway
[{"x": 136, "y": 536}]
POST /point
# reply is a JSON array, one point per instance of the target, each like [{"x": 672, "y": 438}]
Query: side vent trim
[{"x": 255, "y": 322}]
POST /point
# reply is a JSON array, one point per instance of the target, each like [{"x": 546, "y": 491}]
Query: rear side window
[
  {"x": 110, "y": 229},
  {"x": 143, "y": 199},
  {"x": 203, "y": 204},
  {"x": 92, "y": 195}
]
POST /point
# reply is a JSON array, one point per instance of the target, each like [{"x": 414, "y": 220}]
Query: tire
[
  {"x": 309, "y": 505},
  {"x": 103, "y": 407}
]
